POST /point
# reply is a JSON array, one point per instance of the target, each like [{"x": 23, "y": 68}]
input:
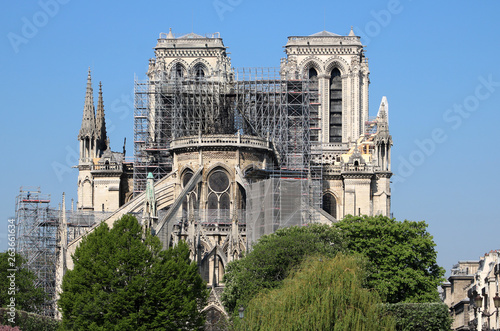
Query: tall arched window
[
  {"x": 199, "y": 71},
  {"x": 335, "y": 106},
  {"x": 86, "y": 198},
  {"x": 242, "y": 198},
  {"x": 177, "y": 71},
  {"x": 219, "y": 202},
  {"x": 213, "y": 319},
  {"x": 330, "y": 204},
  {"x": 190, "y": 203},
  {"x": 313, "y": 74}
]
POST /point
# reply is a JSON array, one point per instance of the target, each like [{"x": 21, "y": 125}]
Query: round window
[{"x": 218, "y": 182}]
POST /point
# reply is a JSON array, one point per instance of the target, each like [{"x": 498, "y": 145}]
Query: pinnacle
[
  {"x": 170, "y": 34},
  {"x": 88, "y": 121},
  {"x": 100, "y": 122}
]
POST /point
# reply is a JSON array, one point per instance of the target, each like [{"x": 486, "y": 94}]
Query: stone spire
[
  {"x": 383, "y": 111},
  {"x": 383, "y": 118},
  {"x": 100, "y": 123},
  {"x": 88, "y": 129}
]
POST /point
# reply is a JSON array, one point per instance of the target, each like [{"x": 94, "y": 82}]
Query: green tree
[
  {"x": 272, "y": 258},
  {"x": 122, "y": 282},
  {"x": 401, "y": 255},
  {"x": 433, "y": 316},
  {"x": 19, "y": 284},
  {"x": 324, "y": 294}
]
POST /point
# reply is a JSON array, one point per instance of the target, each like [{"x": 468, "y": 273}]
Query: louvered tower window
[
  {"x": 314, "y": 103},
  {"x": 335, "y": 106}
]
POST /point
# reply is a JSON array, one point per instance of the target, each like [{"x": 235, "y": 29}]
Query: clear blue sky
[{"x": 437, "y": 63}]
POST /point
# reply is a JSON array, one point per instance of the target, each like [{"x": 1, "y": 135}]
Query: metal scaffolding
[
  {"x": 36, "y": 231},
  {"x": 252, "y": 102},
  {"x": 286, "y": 112},
  {"x": 79, "y": 222},
  {"x": 152, "y": 132},
  {"x": 37, "y": 235},
  {"x": 201, "y": 108}
]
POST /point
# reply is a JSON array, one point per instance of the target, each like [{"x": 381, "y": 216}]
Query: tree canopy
[
  {"x": 273, "y": 257},
  {"x": 401, "y": 255},
  {"x": 123, "y": 281},
  {"x": 21, "y": 286},
  {"x": 434, "y": 316},
  {"x": 324, "y": 294},
  {"x": 401, "y": 258}
]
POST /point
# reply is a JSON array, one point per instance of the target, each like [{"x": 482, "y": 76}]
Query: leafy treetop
[
  {"x": 401, "y": 255},
  {"x": 324, "y": 294},
  {"x": 123, "y": 281},
  {"x": 273, "y": 257}
]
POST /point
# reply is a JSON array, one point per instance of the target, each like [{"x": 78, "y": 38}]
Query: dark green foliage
[
  {"x": 420, "y": 316},
  {"x": 401, "y": 254},
  {"x": 177, "y": 293},
  {"x": 272, "y": 258},
  {"x": 27, "y": 296},
  {"x": 28, "y": 321},
  {"x": 122, "y": 282},
  {"x": 324, "y": 294}
]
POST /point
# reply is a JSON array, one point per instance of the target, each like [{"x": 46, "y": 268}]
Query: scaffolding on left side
[
  {"x": 152, "y": 129},
  {"x": 36, "y": 231}
]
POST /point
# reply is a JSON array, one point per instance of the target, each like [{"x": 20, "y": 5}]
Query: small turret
[{"x": 383, "y": 139}]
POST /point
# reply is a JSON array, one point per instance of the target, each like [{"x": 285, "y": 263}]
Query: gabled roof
[
  {"x": 191, "y": 35},
  {"x": 324, "y": 33}
]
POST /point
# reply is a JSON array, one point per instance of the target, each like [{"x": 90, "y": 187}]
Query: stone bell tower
[
  {"x": 354, "y": 149},
  {"x": 339, "y": 66}
]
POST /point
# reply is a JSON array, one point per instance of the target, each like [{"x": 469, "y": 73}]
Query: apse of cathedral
[{"x": 223, "y": 156}]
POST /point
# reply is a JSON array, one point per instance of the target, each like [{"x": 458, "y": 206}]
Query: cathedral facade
[{"x": 223, "y": 156}]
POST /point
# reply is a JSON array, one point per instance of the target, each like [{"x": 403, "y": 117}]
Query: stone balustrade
[
  {"x": 337, "y": 169},
  {"x": 107, "y": 167},
  {"x": 220, "y": 140}
]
